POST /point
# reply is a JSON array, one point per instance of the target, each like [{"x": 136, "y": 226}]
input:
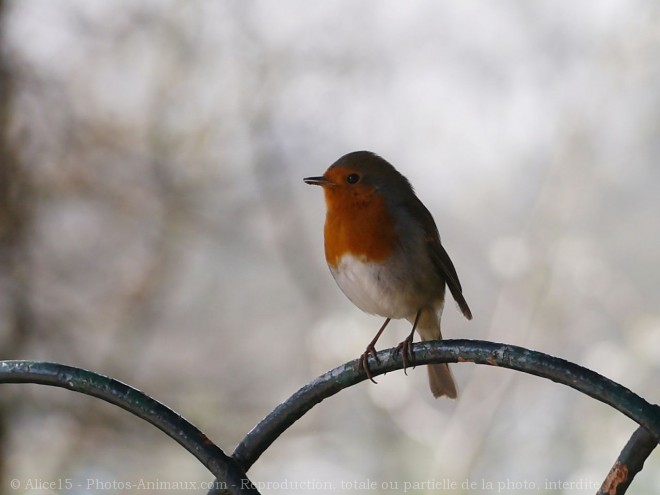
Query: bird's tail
[{"x": 441, "y": 380}]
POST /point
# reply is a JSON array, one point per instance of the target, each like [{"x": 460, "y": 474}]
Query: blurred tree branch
[
  {"x": 133, "y": 171},
  {"x": 15, "y": 219}
]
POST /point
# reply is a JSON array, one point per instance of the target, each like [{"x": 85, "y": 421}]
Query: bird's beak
[{"x": 317, "y": 181}]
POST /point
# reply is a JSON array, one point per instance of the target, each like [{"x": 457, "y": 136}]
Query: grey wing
[
  {"x": 444, "y": 265},
  {"x": 437, "y": 252}
]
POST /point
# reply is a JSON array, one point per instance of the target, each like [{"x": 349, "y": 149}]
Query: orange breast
[{"x": 357, "y": 224}]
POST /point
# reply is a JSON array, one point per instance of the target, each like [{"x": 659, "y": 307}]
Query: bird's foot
[
  {"x": 364, "y": 361},
  {"x": 405, "y": 348}
]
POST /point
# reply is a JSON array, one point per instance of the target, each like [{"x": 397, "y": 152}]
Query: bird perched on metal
[{"x": 384, "y": 251}]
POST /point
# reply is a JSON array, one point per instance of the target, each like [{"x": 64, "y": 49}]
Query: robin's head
[{"x": 358, "y": 176}]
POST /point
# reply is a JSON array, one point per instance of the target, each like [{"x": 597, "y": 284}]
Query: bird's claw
[
  {"x": 364, "y": 361},
  {"x": 405, "y": 348}
]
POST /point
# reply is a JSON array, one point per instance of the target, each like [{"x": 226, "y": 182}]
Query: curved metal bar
[
  {"x": 448, "y": 351},
  {"x": 228, "y": 473},
  {"x": 630, "y": 462}
]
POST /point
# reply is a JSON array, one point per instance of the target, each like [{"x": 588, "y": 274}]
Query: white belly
[{"x": 375, "y": 289}]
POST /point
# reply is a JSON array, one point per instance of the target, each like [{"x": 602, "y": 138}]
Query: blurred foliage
[{"x": 155, "y": 227}]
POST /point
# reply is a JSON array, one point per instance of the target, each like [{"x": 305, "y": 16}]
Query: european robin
[{"x": 384, "y": 251}]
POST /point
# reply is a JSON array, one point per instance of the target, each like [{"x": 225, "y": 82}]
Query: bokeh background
[{"x": 155, "y": 228}]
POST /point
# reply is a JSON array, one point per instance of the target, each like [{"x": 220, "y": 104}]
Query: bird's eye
[{"x": 353, "y": 178}]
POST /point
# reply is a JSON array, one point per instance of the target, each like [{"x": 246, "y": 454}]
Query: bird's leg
[
  {"x": 405, "y": 347},
  {"x": 371, "y": 349}
]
